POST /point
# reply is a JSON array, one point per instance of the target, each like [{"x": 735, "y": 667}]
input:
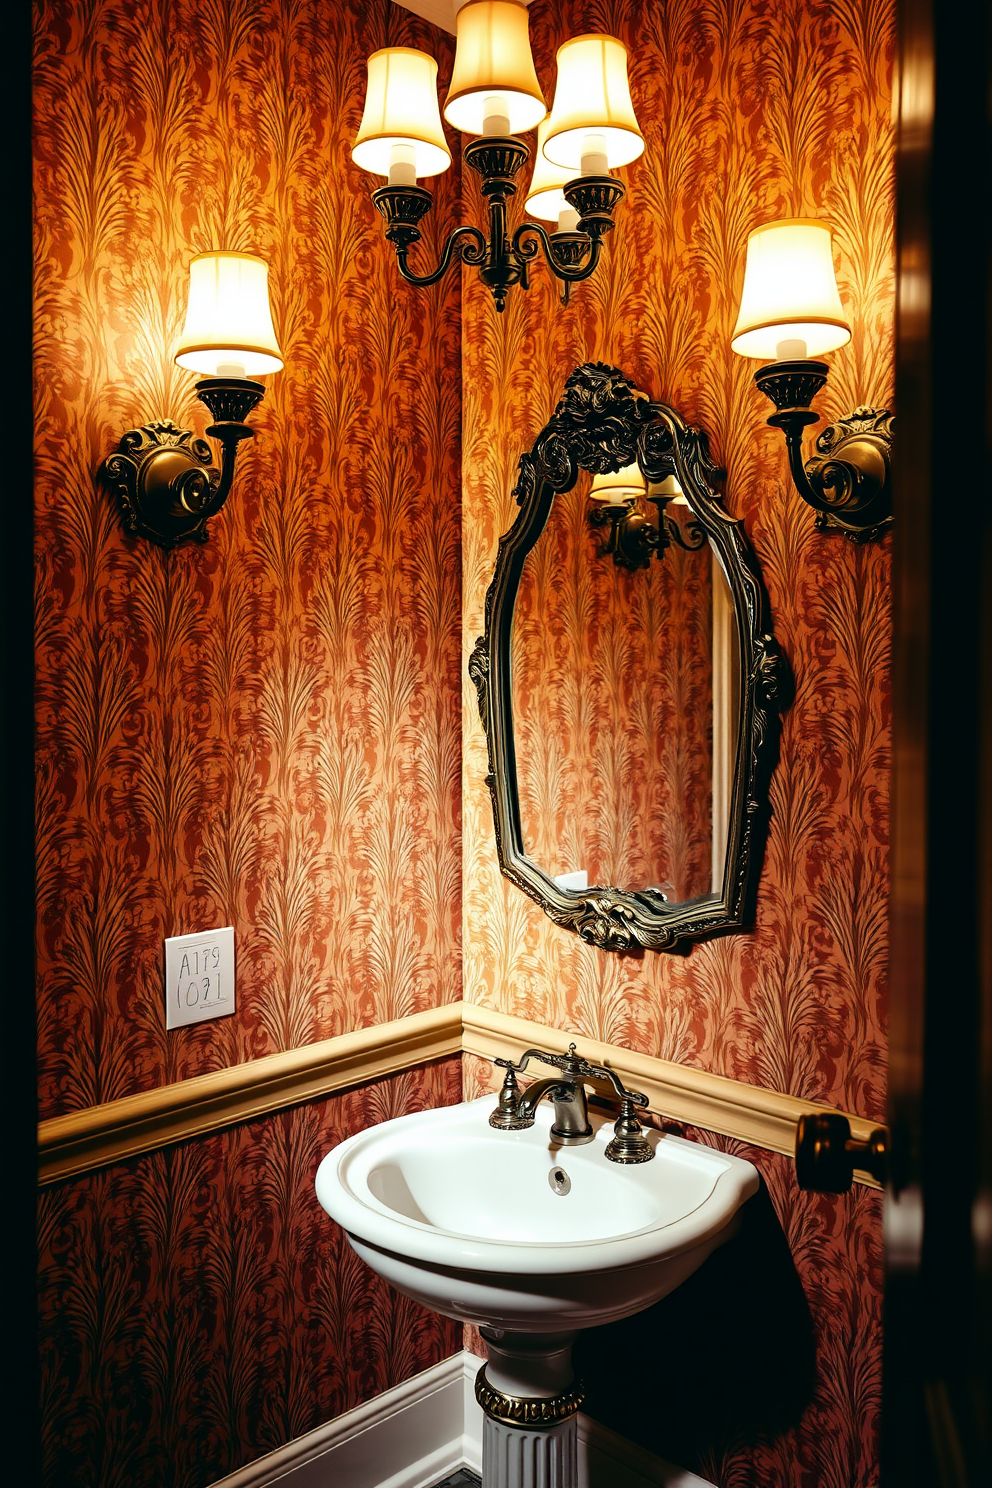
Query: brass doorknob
[{"x": 827, "y": 1154}]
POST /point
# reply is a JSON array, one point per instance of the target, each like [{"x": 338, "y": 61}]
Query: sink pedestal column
[{"x": 530, "y": 1398}]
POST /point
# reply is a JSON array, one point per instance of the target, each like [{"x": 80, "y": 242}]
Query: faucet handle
[
  {"x": 629, "y": 1144},
  {"x": 602, "y": 1072},
  {"x": 556, "y": 1060},
  {"x": 507, "y": 1115}
]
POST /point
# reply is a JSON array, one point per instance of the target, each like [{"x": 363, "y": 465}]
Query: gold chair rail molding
[{"x": 100, "y": 1135}]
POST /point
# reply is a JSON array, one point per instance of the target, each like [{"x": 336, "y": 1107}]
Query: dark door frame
[
  {"x": 17, "y": 840},
  {"x": 938, "y": 1214}
]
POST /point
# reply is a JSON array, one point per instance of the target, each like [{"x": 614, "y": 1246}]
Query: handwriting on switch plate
[{"x": 199, "y": 977}]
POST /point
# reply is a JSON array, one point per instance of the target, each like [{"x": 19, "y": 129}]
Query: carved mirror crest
[{"x": 629, "y": 684}]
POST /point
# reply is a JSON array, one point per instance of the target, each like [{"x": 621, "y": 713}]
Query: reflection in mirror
[{"x": 626, "y": 709}]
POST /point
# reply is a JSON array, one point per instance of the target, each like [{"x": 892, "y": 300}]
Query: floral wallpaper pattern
[
  {"x": 261, "y": 732},
  {"x": 750, "y": 112},
  {"x": 199, "y": 1308}
]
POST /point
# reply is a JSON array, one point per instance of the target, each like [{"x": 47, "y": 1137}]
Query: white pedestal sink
[{"x": 532, "y": 1242}]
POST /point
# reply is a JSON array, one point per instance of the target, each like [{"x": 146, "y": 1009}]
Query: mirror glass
[{"x": 626, "y": 709}]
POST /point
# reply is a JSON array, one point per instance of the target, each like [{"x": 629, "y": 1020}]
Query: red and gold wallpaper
[
  {"x": 199, "y": 1308},
  {"x": 613, "y": 708},
  {"x": 749, "y": 112},
  {"x": 262, "y": 732}
]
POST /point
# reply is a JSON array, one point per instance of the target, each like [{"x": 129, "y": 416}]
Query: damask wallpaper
[
  {"x": 262, "y": 732},
  {"x": 749, "y": 112},
  {"x": 199, "y": 1308}
]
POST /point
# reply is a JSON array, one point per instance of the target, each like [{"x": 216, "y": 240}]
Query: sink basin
[{"x": 510, "y": 1231}]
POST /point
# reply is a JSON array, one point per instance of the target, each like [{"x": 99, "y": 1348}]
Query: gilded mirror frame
[{"x": 601, "y": 425}]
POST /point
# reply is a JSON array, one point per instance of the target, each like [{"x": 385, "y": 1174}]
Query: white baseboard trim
[{"x": 417, "y": 1433}]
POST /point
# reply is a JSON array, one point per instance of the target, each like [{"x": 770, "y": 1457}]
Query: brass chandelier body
[{"x": 504, "y": 261}]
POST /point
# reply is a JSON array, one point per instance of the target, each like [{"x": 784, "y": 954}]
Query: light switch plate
[{"x": 199, "y": 977}]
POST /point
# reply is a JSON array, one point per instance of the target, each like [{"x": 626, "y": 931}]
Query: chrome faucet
[{"x": 566, "y": 1090}]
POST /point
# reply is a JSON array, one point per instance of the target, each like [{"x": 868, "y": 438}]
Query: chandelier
[{"x": 495, "y": 95}]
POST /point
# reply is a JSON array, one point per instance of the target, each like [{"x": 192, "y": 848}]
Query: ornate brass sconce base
[
  {"x": 847, "y": 481},
  {"x": 163, "y": 476}
]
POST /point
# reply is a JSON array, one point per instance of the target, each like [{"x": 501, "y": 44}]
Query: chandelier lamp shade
[
  {"x": 401, "y": 136},
  {"x": 495, "y": 96},
  {"x": 546, "y": 194},
  {"x": 163, "y": 475},
  {"x": 791, "y": 314},
  {"x": 592, "y": 128},
  {"x": 493, "y": 79}
]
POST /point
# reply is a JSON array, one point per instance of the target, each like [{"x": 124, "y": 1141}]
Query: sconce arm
[
  {"x": 847, "y": 480},
  {"x": 792, "y": 425},
  {"x": 205, "y": 499}
]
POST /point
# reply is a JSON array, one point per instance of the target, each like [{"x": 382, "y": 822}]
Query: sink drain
[{"x": 559, "y": 1180}]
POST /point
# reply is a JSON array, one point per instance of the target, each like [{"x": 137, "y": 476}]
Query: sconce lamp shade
[
  {"x": 546, "y": 197},
  {"x": 619, "y": 486},
  {"x": 494, "y": 67},
  {"x": 592, "y": 97},
  {"x": 790, "y": 293},
  {"x": 401, "y": 108},
  {"x": 228, "y": 319}
]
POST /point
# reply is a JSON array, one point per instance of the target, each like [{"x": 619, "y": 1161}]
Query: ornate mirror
[{"x": 628, "y": 681}]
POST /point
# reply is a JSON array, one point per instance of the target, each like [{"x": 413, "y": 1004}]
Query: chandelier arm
[
  {"x": 467, "y": 254},
  {"x": 527, "y": 252}
]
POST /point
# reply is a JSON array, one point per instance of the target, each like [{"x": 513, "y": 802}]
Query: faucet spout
[
  {"x": 534, "y": 1094},
  {"x": 571, "y": 1124}
]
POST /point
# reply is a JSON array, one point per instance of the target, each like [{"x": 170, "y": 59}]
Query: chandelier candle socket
[
  {"x": 791, "y": 311},
  {"x": 162, "y": 475},
  {"x": 496, "y": 96}
]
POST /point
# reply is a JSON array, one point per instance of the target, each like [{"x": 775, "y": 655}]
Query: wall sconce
[
  {"x": 791, "y": 309},
  {"x": 494, "y": 93},
  {"x": 162, "y": 475},
  {"x": 633, "y": 537}
]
